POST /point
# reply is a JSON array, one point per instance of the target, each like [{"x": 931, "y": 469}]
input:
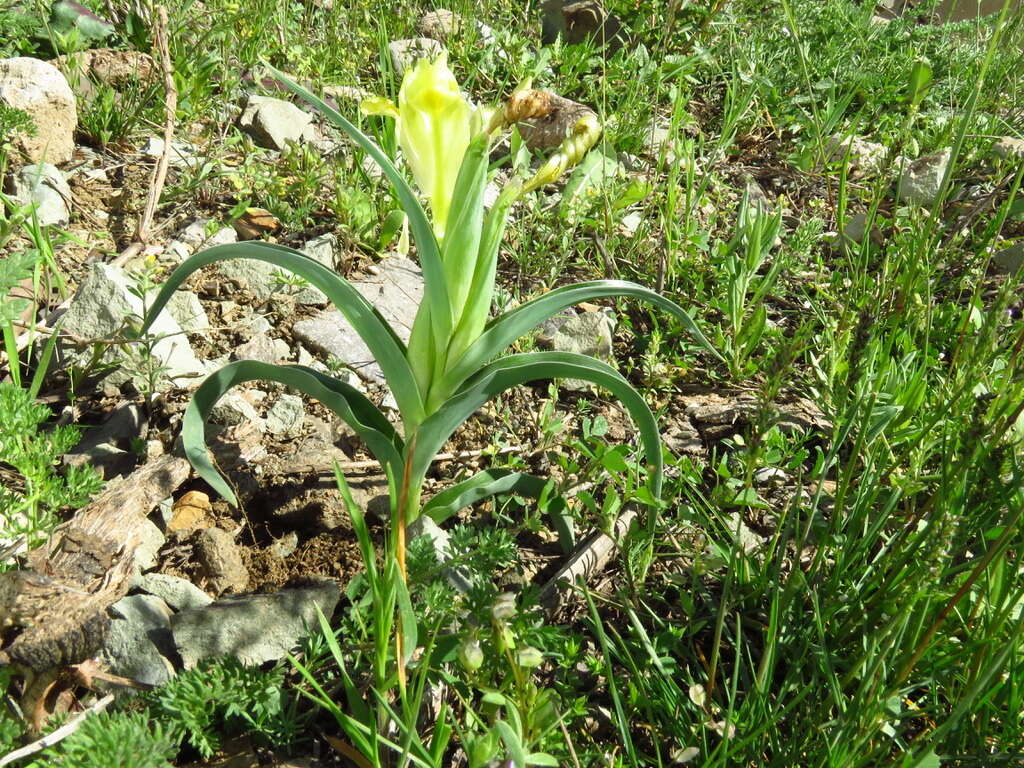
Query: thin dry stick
[
  {"x": 58, "y": 735},
  {"x": 156, "y": 187}
]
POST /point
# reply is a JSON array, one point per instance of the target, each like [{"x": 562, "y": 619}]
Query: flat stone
[
  {"x": 588, "y": 333},
  {"x": 42, "y": 92},
  {"x": 220, "y": 561},
  {"x": 439, "y": 24},
  {"x": 265, "y": 281},
  {"x": 274, "y": 123},
  {"x": 102, "y": 306},
  {"x": 139, "y": 631},
  {"x": 921, "y": 180},
  {"x": 252, "y": 628},
  {"x": 405, "y": 53},
  {"x": 45, "y": 187},
  {"x": 180, "y": 594},
  {"x": 285, "y": 417},
  {"x": 396, "y": 293}
]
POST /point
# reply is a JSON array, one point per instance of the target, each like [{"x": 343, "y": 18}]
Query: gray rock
[
  {"x": 439, "y": 24},
  {"x": 285, "y": 546},
  {"x": 234, "y": 409},
  {"x": 179, "y": 594},
  {"x": 42, "y": 92},
  {"x": 266, "y": 281},
  {"x": 404, "y": 53},
  {"x": 107, "y": 458},
  {"x": 285, "y": 417},
  {"x": 139, "y": 632},
  {"x": 921, "y": 180},
  {"x": 220, "y": 561},
  {"x": 1010, "y": 260},
  {"x": 260, "y": 347},
  {"x": 100, "y": 309},
  {"x": 187, "y": 309},
  {"x": 45, "y": 187},
  {"x": 865, "y": 158},
  {"x": 151, "y": 539},
  {"x": 1009, "y": 148},
  {"x": 396, "y": 292},
  {"x": 440, "y": 541},
  {"x": 856, "y": 229},
  {"x": 273, "y": 123},
  {"x": 588, "y": 333},
  {"x": 181, "y": 155},
  {"x": 252, "y": 628}
]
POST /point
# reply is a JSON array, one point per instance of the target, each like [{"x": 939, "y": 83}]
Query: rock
[
  {"x": 682, "y": 438},
  {"x": 1009, "y": 148},
  {"x": 107, "y": 458},
  {"x": 395, "y": 291},
  {"x": 580, "y": 21},
  {"x": 273, "y": 123},
  {"x": 440, "y": 541},
  {"x": 260, "y": 347},
  {"x": 194, "y": 237},
  {"x": 588, "y": 333},
  {"x": 179, "y": 594},
  {"x": 140, "y": 629},
  {"x": 265, "y": 280},
  {"x": 124, "y": 426},
  {"x": 1010, "y": 260},
  {"x": 220, "y": 561},
  {"x": 234, "y": 409},
  {"x": 100, "y": 309},
  {"x": 921, "y": 180},
  {"x": 346, "y": 93},
  {"x": 187, "y": 309},
  {"x": 151, "y": 540},
  {"x": 44, "y": 186},
  {"x": 116, "y": 68},
  {"x": 856, "y": 229},
  {"x": 439, "y": 24},
  {"x": 181, "y": 155},
  {"x": 41, "y": 91},
  {"x": 770, "y": 476},
  {"x": 865, "y": 158},
  {"x": 284, "y": 546},
  {"x": 192, "y": 511},
  {"x": 745, "y": 537},
  {"x": 756, "y": 196},
  {"x": 549, "y": 131},
  {"x": 285, "y": 417},
  {"x": 253, "y": 628},
  {"x": 404, "y": 53}
]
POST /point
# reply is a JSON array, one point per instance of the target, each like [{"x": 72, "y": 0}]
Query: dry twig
[{"x": 58, "y": 735}]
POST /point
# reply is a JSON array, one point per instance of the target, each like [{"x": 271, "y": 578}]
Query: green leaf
[
  {"x": 349, "y": 403},
  {"x": 541, "y": 758},
  {"x": 482, "y": 485},
  {"x": 435, "y": 289},
  {"x": 465, "y": 222},
  {"x": 386, "y": 347},
  {"x": 505, "y": 329},
  {"x": 67, "y": 16},
  {"x": 512, "y": 741},
  {"x": 918, "y": 82},
  {"x": 407, "y": 615},
  {"x": 513, "y": 370}
]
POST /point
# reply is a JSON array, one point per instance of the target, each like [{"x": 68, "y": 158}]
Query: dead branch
[{"x": 58, "y": 735}]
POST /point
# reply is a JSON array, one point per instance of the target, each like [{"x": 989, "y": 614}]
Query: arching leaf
[
  {"x": 346, "y": 401},
  {"x": 385, "y": 346}
]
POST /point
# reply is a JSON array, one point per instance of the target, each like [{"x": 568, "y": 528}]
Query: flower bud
[
  {"x": 529, "y": 657},
  {"x": 471, "y": 655},
  {"x": 504, "y": 607},
  {"x": 504, "y": 638}
]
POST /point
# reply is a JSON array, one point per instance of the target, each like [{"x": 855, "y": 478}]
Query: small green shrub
[
  {"x": 113, "y": 739},
  {"x": 33, "y": 493}
]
